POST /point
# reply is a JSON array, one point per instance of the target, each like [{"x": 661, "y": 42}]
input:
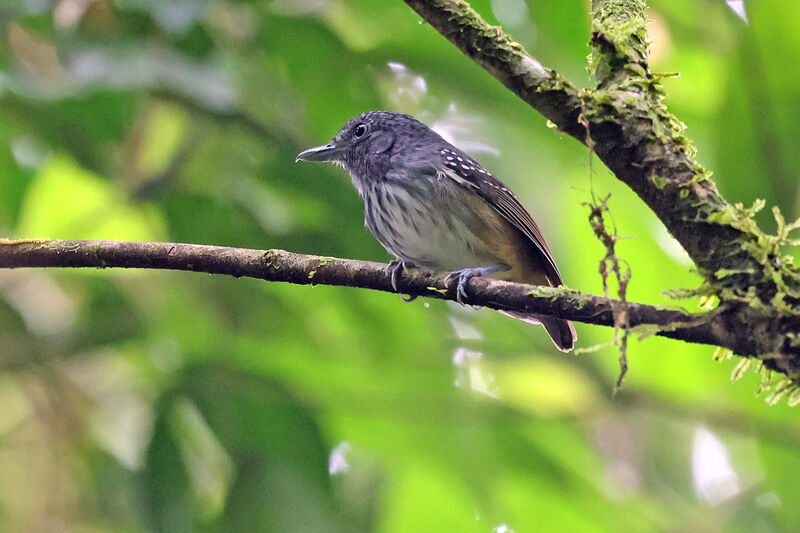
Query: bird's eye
[{"x": 360, "y": 130}]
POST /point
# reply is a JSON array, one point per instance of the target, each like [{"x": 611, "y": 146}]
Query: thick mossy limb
[{"x": 619, "y": 40}]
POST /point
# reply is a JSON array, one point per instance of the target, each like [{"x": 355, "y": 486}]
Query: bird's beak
[{"x": 318, "y": 154}]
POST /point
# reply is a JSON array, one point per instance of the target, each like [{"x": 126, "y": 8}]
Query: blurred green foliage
[{"x": 137, "y": 401}]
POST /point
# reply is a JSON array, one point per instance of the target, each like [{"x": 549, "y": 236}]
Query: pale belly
[{"x": 440, "y": 230}]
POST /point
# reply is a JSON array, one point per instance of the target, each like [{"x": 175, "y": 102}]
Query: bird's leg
[
  {"x": 466, "y": 274},
  {"x": 397, "y": 266}
]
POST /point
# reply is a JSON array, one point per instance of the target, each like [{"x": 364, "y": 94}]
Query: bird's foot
[
  {"x": 466, "y": 274},
  {"x": 396, "y": 266}
]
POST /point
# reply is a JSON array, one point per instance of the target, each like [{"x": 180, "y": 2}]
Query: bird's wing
[{"x": 469, "y": 173}]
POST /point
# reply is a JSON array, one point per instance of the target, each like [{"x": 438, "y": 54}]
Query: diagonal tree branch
[
  {"x": 624, "y": 121},
  {"x": 492, "y": 49},
  {"x": 282, "y": 266}
]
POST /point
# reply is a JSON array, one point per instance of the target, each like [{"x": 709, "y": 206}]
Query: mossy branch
[{"x": 624, "y": 121}]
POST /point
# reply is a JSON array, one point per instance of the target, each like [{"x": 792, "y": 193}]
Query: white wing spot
[
  {"x": 465, "y": 167},
  {"x": 449, "y": 157},
  {"x": 459, "y": 159}
]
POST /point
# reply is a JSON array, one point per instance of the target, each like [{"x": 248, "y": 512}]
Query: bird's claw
[
  {"x": 466, "y": 274},
  {"x": 397, "y": 266}
]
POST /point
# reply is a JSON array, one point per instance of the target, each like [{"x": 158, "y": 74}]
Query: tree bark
[{"x": 282, "y": 266}]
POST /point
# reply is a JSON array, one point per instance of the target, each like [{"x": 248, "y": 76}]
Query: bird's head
[{"x": 368, "y": 141}]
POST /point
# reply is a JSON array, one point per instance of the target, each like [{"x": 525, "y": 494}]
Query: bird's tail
[{"x": 561, "y": 331}]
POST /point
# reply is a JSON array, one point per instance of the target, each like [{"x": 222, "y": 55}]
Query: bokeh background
[{"x": 154, "y": 400}]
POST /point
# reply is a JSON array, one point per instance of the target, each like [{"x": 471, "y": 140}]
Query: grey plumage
[{"x": 431, "y": 205}]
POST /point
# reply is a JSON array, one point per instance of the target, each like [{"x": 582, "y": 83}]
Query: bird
[{"x": 431, "y": 205}]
